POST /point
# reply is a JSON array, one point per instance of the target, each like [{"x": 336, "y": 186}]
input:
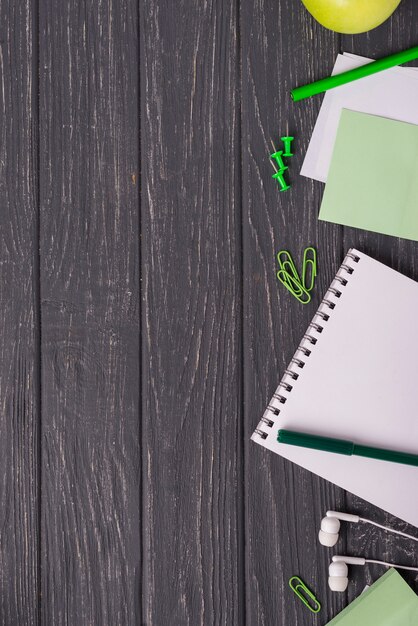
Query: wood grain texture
[
  {"x": 281, "y": 47},
  {"x": 19, "y": 319},
  {"x": 193, "y": 567},
  {"x": 130, "y": 493},
  {"x": 89, "y": 242},
  {"x": 398, "y": 33}
]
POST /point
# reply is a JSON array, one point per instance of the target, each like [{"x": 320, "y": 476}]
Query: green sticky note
[
  {"x": 373, "y": 177},
  {"x": 389, "y": 602}
]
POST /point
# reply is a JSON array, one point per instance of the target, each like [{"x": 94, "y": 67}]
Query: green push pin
[
  {"x": 278, "y": 157},
  {"x": 287, "y": 146},
  {"x": 280, "y": 177}
]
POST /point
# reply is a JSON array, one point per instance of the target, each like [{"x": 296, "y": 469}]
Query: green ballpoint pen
[
  {"x": 348, "y": 448},
  {"x": 299, "y": 93}
]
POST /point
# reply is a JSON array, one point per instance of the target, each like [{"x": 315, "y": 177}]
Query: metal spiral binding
[
  {"x": 316, "y": 326},
  {"x": 261, "y": 433},
  {"x": 297, "y": 362},
  {"x": 343, "y": 281},
  {"x": 281, "y": 399},
  {"x": 355, "y": 258},
  {"x": 303, "y": 351},
  {"x": 292, "y": 374},
  {"x": 269, "y": 423},
  {"x": 324, "y": 316}
]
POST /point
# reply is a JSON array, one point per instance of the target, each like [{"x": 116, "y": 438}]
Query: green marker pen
[
  {"x": 325, "y": 84},
  {"x": 348, "y": 448}
]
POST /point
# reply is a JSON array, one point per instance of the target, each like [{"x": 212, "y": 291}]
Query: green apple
[{"x": 351, "y": 16}]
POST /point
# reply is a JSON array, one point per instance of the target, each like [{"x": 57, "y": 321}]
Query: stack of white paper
[{"x": 392, "y": 93}]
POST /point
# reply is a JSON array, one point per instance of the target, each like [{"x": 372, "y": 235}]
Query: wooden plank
[
  {"x": 19, "y": 319},
  {"x": 89, "y": 246},
  {"x": 192, "y": 313},
  {"x": 282, "y": 47},
  {"x": 398, "y": 33}
]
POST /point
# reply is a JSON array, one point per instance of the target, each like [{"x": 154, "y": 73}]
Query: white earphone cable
[
  {"x": 410, "y": 569},
  {"x": 390, "y": 530}
]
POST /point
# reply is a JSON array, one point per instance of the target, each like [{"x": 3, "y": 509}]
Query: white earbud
[
  {"x": 330, "y": 526},
  {"x": 338, "y": 570},
  {"x": 338, "y": 576},
  {"x": 328, "y": 534}
]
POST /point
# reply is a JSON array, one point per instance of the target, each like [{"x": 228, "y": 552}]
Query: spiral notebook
[{"x": 354, "y": 376}]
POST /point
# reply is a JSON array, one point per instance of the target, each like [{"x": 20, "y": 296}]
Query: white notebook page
[{"x": 359, "y": 383}]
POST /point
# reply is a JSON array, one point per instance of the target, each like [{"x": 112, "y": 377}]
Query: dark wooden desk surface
[{"x": 142, "y": 329}]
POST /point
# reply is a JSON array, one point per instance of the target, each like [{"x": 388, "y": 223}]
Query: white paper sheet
[
  {"x": 359, "y": 383},
  {"x": 392, "y": 93}
]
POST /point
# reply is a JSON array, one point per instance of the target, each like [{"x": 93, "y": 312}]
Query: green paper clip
[
  {"x": 313, "y": 268},
  {"x": 289, "y": 276},
  {"x": 294, "y": 286},
  {"x": 304, "y": 594},
  {"x": 286, "y": 263},
  {"x": 290, "y": 283}
]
